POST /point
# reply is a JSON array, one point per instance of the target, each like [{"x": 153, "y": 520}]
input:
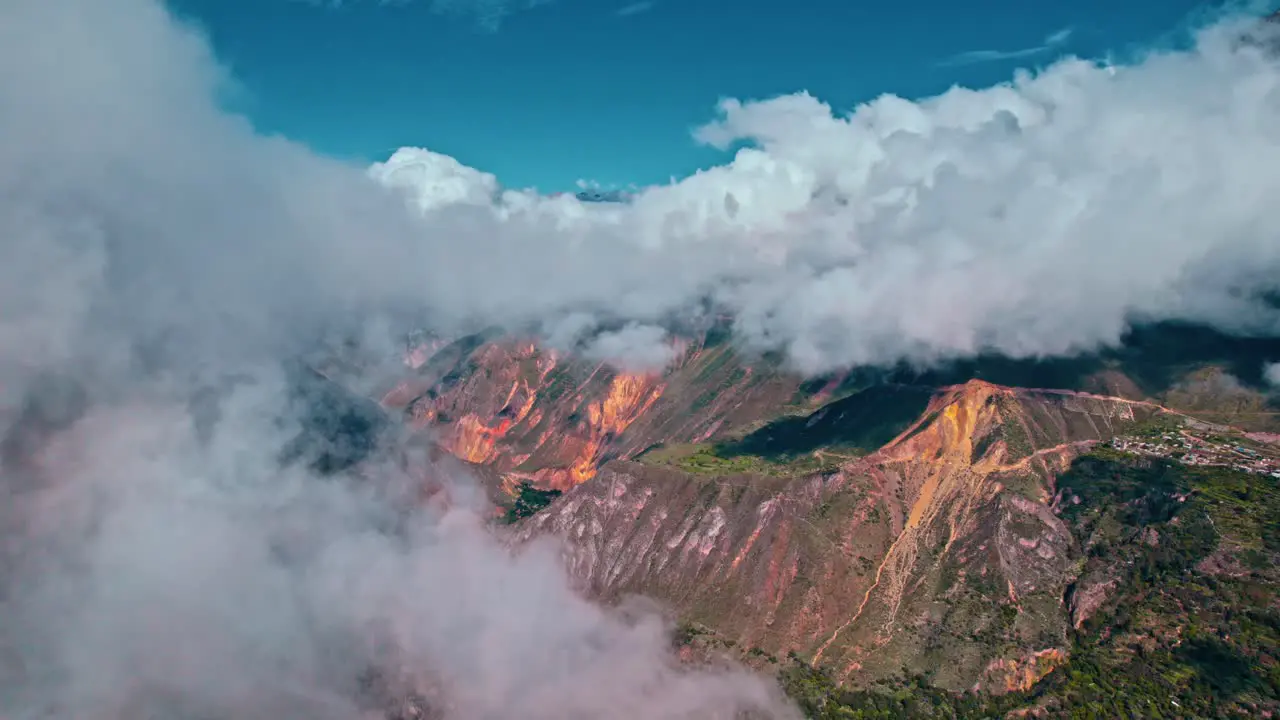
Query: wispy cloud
[
  {"x": 635, "y": 8},
  {"x": 1059, "y": 37},
  {"x": 489, "y": 14},
  {"x": 1052, "y": 41}
]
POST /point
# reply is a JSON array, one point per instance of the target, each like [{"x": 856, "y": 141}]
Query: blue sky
[{"x": 609, "y": 90}]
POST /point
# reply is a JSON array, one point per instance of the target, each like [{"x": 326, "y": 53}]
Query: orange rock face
[
  {"x": 1020, "y": 673},
  {"x": 534, "y": 415},
  {"x": 579, "y": 448}
]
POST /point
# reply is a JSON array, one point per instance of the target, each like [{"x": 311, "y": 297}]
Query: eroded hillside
[
  {"x": 940, "y": 551},
  {"x": 537, "y": 415}
]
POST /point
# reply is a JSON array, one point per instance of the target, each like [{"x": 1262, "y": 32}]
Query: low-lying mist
[{"x": 180, "y": 536}]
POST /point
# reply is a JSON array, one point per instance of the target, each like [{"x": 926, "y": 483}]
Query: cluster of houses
[{"x": 1191, "y": 449}]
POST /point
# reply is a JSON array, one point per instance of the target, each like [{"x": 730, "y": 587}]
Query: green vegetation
[
  {"x": 862, "y": 422},
  {"x": 686, "y": 632},
  {"x": 717, "y": 373},
  {"x": 716, "y": 361},
  {"x": 1156, "y": 426},
  {"x": 564, "y": 380},
  {"x": 466, "y": 368},
  {"x": 1013, "y": 431},
  {"x": 1192, "y": 626},
  {"x": 707, "y": 459},
  {"x": 336, "y": 429},
  {"x": 450, "y": 356},
  {"x": 529, "y": 500},
  {"x": 720, "y": 333},
  {"x": 910, "y": 697}
]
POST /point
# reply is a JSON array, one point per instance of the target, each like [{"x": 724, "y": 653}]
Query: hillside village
[{"x": 1203, "y": 446}]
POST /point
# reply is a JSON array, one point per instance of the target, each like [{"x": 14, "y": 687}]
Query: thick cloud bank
[
  {"x": 1039, "y": 217},
  {"x": 149, "y": 574},
  {"x": 158, "y": 555}
]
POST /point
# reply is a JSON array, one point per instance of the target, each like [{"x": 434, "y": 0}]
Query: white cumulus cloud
[
  {"x": 434, "y": 180},
  {"x": 1037, "y": 217},
  {"x": 1272, "y": 373}
]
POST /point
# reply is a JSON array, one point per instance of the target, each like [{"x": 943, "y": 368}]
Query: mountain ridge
[
  {"x": 551, "y": 417},
  {"x": 898, "y": 495},
  {"x": 849, "y": 531}
]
